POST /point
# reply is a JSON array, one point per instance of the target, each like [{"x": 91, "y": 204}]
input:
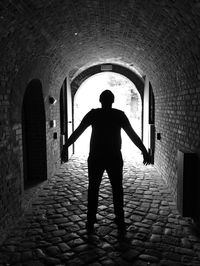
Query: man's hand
[{"x": 147, "y": 158}]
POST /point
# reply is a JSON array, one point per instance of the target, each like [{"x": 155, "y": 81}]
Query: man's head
[{"x": 106, "y": 98}]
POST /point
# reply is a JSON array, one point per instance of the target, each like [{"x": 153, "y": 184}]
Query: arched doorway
[
  {"x": 144, "y": 90},
  {"x": 34, "y": 135},
  {"x": 127, "y": 99}
]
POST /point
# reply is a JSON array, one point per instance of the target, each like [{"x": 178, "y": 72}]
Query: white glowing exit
[{"x": 127, "y": 99}]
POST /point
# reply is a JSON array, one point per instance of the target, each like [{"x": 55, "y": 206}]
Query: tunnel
[{"x": 59, "y": 45}]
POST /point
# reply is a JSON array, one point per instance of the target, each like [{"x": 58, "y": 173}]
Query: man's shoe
[
  {"x": 121, "y": 225},
  {"x": 90, "y": 227}
]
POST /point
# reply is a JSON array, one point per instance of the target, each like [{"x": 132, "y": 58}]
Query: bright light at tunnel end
[{"x": 127, "y": 99}]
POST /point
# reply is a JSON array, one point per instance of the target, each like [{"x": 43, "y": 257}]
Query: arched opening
[
  {"x": 127, "y": 99},
  {"x": 34, "y": 135}
]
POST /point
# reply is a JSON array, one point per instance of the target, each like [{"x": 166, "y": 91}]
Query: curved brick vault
[{"x": 52, "y": 40}]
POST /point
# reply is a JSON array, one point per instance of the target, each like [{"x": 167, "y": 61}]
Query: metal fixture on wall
[{"x": 52, "y": 100}]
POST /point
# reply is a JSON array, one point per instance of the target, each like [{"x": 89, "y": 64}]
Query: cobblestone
[{"x": 52, "y": 231}]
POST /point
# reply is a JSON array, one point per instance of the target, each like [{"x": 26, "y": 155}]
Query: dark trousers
[{"x": 113, "y": 165}]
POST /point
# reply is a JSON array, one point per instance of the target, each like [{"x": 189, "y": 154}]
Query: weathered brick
[{"x": 158, "y": 39}]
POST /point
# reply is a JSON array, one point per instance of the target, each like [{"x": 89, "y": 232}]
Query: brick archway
[
  {"x": 142, "y": 85},
  {"x": 127, "y": 99},
  {"x": 135, "y": 78},
  {"x": 138, "y": 81}
]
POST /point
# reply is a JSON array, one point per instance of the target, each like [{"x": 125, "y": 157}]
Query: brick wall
[
  {"x": 49, "y": 40},
  {"x": 177, "y": 119}
]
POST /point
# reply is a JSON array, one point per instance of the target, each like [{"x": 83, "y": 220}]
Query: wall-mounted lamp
[
  {"x": 52, "y": 100},
  {"x": 52, "y": 123}
]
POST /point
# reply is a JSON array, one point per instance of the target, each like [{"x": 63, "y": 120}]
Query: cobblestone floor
[{"x": 52, "y": 231}]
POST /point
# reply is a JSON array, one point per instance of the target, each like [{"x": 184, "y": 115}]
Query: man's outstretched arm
[
  {"x": 86, "y": 122},
  {"x": 76, "y": 134},
  {"x": 137, "y": 141}
]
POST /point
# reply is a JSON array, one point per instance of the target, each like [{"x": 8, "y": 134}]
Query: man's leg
[
  {"x": 95, "y": 172},
  {"x": 114, "y": 170}
]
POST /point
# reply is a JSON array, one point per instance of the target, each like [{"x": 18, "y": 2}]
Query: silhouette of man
[{"x": 105, "y": 154}]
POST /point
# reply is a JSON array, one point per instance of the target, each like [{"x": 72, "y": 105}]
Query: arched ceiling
[{"x": 148, "y": 36}]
